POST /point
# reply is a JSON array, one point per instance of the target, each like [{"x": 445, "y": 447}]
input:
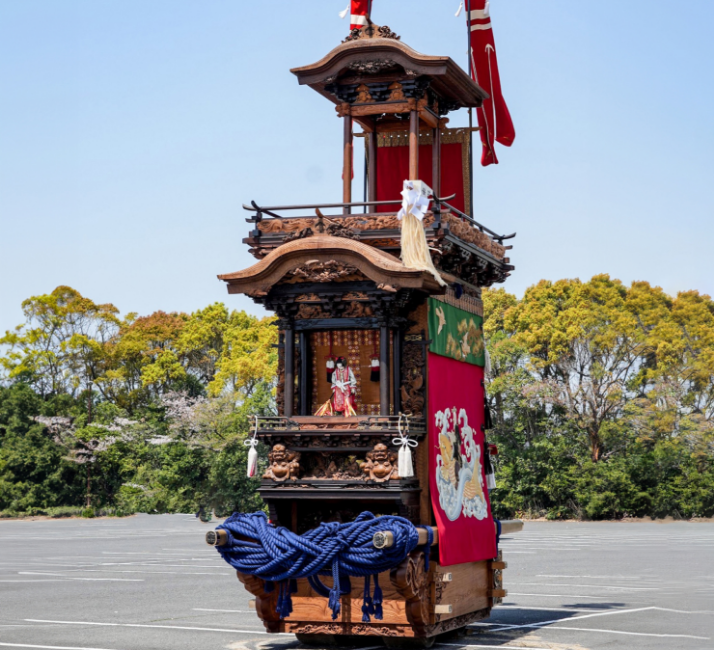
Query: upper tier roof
[{"x": 368, "y": 57}]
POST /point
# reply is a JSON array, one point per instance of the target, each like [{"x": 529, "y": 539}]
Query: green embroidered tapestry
[{"x": 455, "y": 333}]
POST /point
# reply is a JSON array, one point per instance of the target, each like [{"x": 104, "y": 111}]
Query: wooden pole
[
  {"x": 413, "y": 145},
  {"x": 436, "y": 161},
  {"x": 347, "y": 164},
  {"x": 372, "y": 172},
  {"x": 396, "y": 370},
  {"x": 289, "y": 388},
  {"x": 304, "y": 377},
  {"x": 384, "y": 370}
]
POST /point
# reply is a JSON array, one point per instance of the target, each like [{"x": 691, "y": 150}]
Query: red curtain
[
  {"x": 393, "y": 170},
  {"x": 457, "y": 480}
]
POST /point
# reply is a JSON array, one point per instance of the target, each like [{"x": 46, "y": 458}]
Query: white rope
[
  {"x": 252, "y": 442},
  {"x": 405, "y": 467}
]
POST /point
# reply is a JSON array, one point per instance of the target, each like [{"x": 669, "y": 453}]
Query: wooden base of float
[{"x": 416, "y": 604}]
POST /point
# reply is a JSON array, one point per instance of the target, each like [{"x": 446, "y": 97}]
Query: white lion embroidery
[{"x": 458, "y": 473}]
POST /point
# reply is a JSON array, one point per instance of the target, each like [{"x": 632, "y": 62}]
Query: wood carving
[
  {"x": 264, "y": 600},
  {"x": 326, "y": 465},
  {"x": 311, "y": 311},
  {"x": 380, "y": 465},
  {"x": 357, "y": 310},
  {"x": 284, "y": 464},
  {"x": 396, "y": 93},
  {"x": 412, "y": 582},
  {"x": 324, "y": 272},
  {"x": 363, "y": 94},
  {"x": 300, "y": 234},
  {"x": 339, "y": 230},
  {"x": 412, "y": 389}
]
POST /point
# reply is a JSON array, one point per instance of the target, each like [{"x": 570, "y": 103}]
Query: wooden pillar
[
  {"x": 413, "y": 145},
  {"x": 347, "y": 164},
  {"x": 372, "y": 171},
  {"x": 397, "y": 369},
  {"x": 436, "y": 162},
  {"x": 289, "y": 388},
  {"x": 304, "y": 376},
  {"x": 384, "y": 370}
]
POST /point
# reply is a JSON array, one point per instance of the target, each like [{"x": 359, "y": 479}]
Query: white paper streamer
[
  {"x": 344, "y": 12},
  {"x": 458, "y": 11}
]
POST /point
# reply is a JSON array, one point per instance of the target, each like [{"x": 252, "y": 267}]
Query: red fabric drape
[
  {"x": 493, "y": 117},
  {"x": 393, "y": 170},
  {"x": 457, "y": 480}
]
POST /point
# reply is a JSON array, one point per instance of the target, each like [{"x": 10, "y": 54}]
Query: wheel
[
  {"x": 408, "y": 643},
  {"x": 318, "y": 639}
]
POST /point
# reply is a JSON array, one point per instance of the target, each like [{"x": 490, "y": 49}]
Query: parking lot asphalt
[{"x": 149, "y": 582}]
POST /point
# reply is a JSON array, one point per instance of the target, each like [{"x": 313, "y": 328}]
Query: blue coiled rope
[{"x": 332, "y": 549}]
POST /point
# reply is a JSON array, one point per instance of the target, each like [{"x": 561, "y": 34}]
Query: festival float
[{"x": 378, "y": 473}]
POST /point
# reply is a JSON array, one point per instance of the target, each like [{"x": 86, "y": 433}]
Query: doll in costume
[{"x": 344, "y": 387}]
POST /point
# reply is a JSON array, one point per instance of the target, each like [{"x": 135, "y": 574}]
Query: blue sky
[{"x": 131, "y": 132}]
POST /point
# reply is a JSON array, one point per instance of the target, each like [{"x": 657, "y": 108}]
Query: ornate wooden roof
[
  {"x": 324, "y": 258},
  {"x": 370, "y": 56}
]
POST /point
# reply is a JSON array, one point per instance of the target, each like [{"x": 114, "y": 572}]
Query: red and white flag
[
  {"x": 359, "y": 11},
  {"x": 493, "y": 117}
]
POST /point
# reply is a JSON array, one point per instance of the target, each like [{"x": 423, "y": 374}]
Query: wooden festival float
[{"x": 380, "y": 320}]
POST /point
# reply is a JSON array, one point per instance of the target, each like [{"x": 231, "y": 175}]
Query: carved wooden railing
[{"x": 379, "y": 425}]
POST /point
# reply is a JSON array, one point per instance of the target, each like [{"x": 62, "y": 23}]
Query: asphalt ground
[{"x": 150, "y": 582}]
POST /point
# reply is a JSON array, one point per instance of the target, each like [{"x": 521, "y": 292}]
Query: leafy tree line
[
  {"x": 132, "y": 414},
  {"x": 602, "y": 399}
]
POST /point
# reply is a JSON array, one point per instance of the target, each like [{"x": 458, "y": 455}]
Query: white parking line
[
  {"x": 47, "y": 647},
  {"x": 163, "y": 627},
  {"x": 228, "y": 611},
  {"x": 513, "y": 593}
]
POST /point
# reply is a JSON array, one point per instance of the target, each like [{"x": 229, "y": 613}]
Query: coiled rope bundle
[{"x": 278, "y": 555}]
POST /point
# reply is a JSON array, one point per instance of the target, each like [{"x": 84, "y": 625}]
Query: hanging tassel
[
  {"x": 405, "y": 467},
  {"x": 374, "y": 370},
  {"x": 334, "y": 600},
  {"x": 458, "y": 11},
  {"x": 330, "y": 367},
  {"x": 488, "y": 465},
  {"x": 367, "y": 606},
  {"x": 344, "y": 12},
  {"x": 377, "y": 598},
  {"x": 252, "y": 452},
  {"x": 374, "y": 363}
]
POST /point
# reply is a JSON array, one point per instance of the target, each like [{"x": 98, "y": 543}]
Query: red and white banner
[
  {"x": 359, "y": 11},
  {"x": 457, "y": 481},
  {"x": 493, "y": 117}
]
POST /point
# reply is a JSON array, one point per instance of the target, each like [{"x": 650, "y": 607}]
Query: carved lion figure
[
  {"x": 284, "y": 464},
  {"x": 380, "y": 464}
]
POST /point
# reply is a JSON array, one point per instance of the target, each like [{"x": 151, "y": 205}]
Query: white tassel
[
  {"x": 405, "y": 467},
  {"x": 343, "y": 14},
  {"x": 252, "y": 442},
  {"x": 458, "y": 11},
  {"x": 487, "y": 9},
  {"x": 491, "y": 482}
]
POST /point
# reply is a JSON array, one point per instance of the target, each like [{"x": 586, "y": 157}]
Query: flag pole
[{"x": 471, "y": 123}]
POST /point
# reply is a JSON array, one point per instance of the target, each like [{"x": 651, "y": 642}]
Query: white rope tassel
[
  {"x": 458, "y": 11},
  {"x": 344, "y": 12},
  {"x": 252, "y": 442},
  {"x": 415, "y": 250},
  {"x": 405, "y": 467},
  {"x": 491, "y": 481}
]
